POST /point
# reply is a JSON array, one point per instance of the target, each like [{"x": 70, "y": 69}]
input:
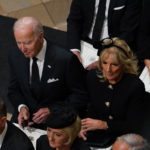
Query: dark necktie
[
  {"x": 35, "y": 79},
  {"x": 99, "y": 20}
]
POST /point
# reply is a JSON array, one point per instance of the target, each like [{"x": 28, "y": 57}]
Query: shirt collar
[
  {"x": 3, "y": 135},
  {"x": 41, "y": 54}
]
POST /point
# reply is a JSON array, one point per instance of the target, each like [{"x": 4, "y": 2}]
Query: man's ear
[{"x": 41, "y": 35}]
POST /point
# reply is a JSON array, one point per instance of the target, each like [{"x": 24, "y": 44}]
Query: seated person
[
  {"x": 42, "y": 70},
  {"x": 63, "y": 126},
  {"x": 115, "y": 93},
  {"x": 11, "y": 137},
  {"x": 131, "y": 142}
]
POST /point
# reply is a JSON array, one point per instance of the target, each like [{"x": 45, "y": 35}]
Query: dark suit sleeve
[
  {"x": 15, "y": 95},
  {"x": 74, "y": 25},
  {"x": 130, "y": 21},
  {"x": 75, "y": 77},
  {"x": 144, "y": 33}
]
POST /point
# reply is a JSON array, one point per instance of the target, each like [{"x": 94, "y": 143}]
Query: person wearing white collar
[{"x": 11, "y": 137}]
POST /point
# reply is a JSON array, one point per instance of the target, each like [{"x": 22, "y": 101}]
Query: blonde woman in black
[{"x": 115, "y": 94}]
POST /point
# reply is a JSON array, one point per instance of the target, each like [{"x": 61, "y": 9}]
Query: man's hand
[
  {"x": 24, "y": 115},
  {"x": 147, "y": 64},
  {"x": 41, "y": 115},
  {"x": 77, "y": 53},
  {"x": 93, "y": 65}
]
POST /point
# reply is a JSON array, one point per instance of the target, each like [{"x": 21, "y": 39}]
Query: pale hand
[
  {"x": 23, "y": 115},
  {"x": 41, "y": 115}
]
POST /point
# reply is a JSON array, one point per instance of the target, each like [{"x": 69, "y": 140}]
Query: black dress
[{"x": 117, "y": 104}]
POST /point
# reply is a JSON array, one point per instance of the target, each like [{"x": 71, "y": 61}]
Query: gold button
[
  {"x": 107, "y": 104},
  {"x": 110, "y": 86},
  {"x": 110, "y": 117}
]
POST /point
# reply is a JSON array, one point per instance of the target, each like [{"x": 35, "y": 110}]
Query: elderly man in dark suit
[
  {"x": 42, "y": 74},
  {"x": 93, "y": 20},
  {"x": 11, "y": 137}
]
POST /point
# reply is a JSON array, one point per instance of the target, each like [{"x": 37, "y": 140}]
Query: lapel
[
  {"x": 110, "y": 11},
  {"x": 91, "y": 7},
  {"x": 25, "y": 67},
  {"x": 49, "y": 63},
  {"x": 7, "y": 142}
]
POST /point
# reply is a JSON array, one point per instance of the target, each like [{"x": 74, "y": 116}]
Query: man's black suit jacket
[
  {"x": 123, "y": 20},
  {"x": 15, "y": 139},
  {"x": 62, "y": 80}
]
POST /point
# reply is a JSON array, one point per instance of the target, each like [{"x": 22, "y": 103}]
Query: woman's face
[
  {"x": 111, "y": 68},
  {"x": 57, "y": 138}
]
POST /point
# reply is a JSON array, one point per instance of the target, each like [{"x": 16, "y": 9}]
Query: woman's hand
[
  {"x": 89, "y": 124},
  {"x": 82, "y": 135}
]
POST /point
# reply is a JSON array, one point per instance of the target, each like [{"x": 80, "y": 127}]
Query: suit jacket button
[{"x": 110, "y": 117}]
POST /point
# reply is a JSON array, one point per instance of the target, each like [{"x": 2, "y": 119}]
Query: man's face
[
  {"x": 118, "y": 145},
  {"x": 2, "y": 123},
  {"x": 28, "y": 43}
]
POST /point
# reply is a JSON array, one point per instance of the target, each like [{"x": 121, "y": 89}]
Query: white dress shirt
[
  {"x": 2, "y": 135},
  {"x": 40, "y": 62}
]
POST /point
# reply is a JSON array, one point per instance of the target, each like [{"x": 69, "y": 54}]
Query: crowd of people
[{"x": 95, "y": 108}]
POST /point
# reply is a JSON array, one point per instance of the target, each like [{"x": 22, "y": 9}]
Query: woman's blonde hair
[
  {"x": 122, "y": 52},
  {"x": 73, "y": 130}
]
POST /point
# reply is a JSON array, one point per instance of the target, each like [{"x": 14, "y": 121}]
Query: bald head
[
  {"x": 129, "y": 142},
  {"x": 28, "y": 22}
]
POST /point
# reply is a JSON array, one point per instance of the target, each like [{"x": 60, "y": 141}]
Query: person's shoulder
[
  {"x": 93, "y": 73},
  {"x": 79, "y": 144},
  {"x": 15, "y": 131},
  {"x": 17, "y": 136},
  {"x": 134, "y": 79},
  {"x": 42, "y": 138},
  {"x": 42, "y": 143},
  {"x": 58, "y": 48}
]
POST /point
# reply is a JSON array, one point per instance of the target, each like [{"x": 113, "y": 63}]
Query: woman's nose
[
  {"x": 108, "y": 68},
  {"x": 50, "y": 136}
]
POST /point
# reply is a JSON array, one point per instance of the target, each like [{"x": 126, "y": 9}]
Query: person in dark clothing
[
  {"x": 11, "y": 137},
  {"x": 63, "y": 126},
  {"x": 115, "y": 93},
  {"x": 39, "y": 70},
  {"x": 120, "y": 19}
]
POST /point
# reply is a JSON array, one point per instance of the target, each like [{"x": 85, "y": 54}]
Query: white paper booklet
[
  {"x": 145, "y": 77},
  {"x": 88, "y": 53}
]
